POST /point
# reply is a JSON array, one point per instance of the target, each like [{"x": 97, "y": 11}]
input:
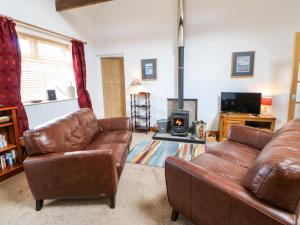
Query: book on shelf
[
  {"x": 3, "y": 142},
  {"x": 3, "y": 163},
  {"x": 4, "y": 119},
  {"x": 14, "y": 156},
  {"x": 8, "y": 159}
]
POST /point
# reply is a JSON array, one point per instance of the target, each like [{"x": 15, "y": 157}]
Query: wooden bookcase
[
  {"x": 9, "y": 129},
  {"x": 226, "y": 120}
]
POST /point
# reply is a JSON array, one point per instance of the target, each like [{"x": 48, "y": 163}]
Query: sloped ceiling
[
  {"x": 62, "y": 5},
  {"x": 121, "y": 17},
  {"x": 113, "y": 19}
]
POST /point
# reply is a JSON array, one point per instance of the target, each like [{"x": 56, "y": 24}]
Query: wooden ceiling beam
[{"x": 62, "y": 5}]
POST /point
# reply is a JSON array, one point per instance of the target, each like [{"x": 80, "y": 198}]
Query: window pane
[
  {"x": 52, "y": 68},
  {"x": 25, "y": 46},
  {"x": 39, "y": 76},
  {"x": 49, "y": 51}
]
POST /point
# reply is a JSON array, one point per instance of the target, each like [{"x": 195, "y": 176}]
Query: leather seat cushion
[
  {"x": 221, "y": 167},
  {"x": 120, "y": 152},
  {"x": 234, "y": 152},
  {"x": 120, "y": 136}
]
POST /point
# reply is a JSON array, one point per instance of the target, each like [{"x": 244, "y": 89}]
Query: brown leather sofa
[
  {"x": 253, "y": 178},
  {"x": 77, "y": 156}
]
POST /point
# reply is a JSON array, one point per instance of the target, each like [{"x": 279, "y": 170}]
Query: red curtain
[
  {"x": 84, "y": 99},
  {"x": 10, "y": 71}
]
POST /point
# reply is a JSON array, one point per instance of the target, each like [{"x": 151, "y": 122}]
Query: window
[{"x": 46, "y": 65}]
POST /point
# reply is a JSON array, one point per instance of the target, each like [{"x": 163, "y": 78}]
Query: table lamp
[
  {"x": 136, "y": 87},
  {"x": 266, "y": 102}
]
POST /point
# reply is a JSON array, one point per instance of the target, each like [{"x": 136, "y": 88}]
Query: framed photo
[
  {"x": 149, "y": 69},
  {"x": 243, "y": 64}
]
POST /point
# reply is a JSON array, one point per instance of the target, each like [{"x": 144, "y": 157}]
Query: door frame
[
  {"x": 294, "y": 83},
  {"x": 112, "y": 56}
]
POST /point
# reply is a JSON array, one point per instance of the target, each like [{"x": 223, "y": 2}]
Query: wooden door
[
  {"x": 294, "y": 103},
  {"x": 113, "y": 87}
]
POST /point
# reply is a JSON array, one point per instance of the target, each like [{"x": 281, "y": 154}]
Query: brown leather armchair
[
  {"x": 253, "y": 178},
  {"x": 76, "y": 156}
]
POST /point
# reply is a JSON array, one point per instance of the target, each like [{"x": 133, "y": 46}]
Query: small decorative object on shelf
[
  {"x": 140, "y": 111},
  {"x": 11, "y": 156},
  {"x": 4, "y": 119},
  {"x": 51, "y": 95}
]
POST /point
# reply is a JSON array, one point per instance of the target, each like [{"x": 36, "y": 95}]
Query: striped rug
[{"x": 155, "y": 153}]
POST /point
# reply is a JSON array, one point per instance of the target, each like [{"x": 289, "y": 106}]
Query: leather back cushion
[
  {"x": 72, "y": 132},
  {"x": 275, "y": 174},
  {"x": 250, "y": 136}
]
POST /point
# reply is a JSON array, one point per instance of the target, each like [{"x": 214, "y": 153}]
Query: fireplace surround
[{"x": 190, "y": 105}]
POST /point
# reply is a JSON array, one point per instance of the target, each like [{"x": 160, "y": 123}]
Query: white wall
[
  {"x": 42, "y": 13},
  {"x": 215, "y": 29},
  {"x": 141, "y": 29},
  {"x": 42, "y": 113}
]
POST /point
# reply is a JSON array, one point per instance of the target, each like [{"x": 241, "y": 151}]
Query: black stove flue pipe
[
  {"x": 181, "y": 55},
  {"x": 180, "y": 77}
]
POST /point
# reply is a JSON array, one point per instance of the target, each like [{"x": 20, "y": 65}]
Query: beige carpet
[{"x": 141, "y": 200}]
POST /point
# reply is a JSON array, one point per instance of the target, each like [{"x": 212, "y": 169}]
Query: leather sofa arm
[
  {"x": 199, "y": 194},
  {"x": 116, "y": 123},
  {"x": 253, "y": 137},
  {"x": 67, "y": 175}
]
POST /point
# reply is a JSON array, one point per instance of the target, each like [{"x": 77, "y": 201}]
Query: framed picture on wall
[
  {"x": 149, "y": 69},
  {"x": 243, "y": 64}
]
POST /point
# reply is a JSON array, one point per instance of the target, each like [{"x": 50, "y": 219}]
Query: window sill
[{"x": 48, "y": 102}]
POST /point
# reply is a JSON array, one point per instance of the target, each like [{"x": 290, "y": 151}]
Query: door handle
[{"x": 293, "y": 97}]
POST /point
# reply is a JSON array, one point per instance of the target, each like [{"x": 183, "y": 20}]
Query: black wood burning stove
[
  {"x": 180, "y": 123},
  {"x": 180, "y": 117}
]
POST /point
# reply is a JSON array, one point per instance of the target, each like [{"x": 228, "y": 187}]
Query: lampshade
[
  {"x": 136, "y": 82},
  {"x": 136, "y": 87},
  {"x": 267, "y": 101}
]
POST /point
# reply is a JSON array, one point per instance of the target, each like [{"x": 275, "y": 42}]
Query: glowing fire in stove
[{"x": 178, "y": 122}]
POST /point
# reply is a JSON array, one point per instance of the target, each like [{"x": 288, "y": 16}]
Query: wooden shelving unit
[
  {"x": 10, "y": 130},
  {"x": 11, "y": 171},
  {"x": 7, "y": 148},
  {"x": 266, "y": 122},
  {"x": 6, "y": 124},
  {"x": 140, "y": 112}
]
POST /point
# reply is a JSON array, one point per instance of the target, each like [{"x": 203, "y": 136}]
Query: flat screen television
[{"x": 241, "y": 102}]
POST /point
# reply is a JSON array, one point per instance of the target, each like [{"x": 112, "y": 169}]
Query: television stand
[{"x": 226, "y": 120}]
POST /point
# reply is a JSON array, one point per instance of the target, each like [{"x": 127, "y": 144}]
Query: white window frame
[{"x": 35, "y": 40}]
